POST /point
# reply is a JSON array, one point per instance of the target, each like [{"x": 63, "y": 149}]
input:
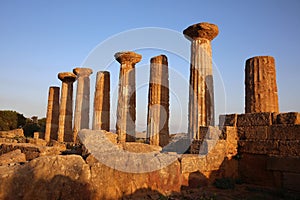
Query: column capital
[
  {"x": 201, "y": 30},
  {"x": 80, "y": 71},
  {"x": 128, "y": 57},
  {"x": 159, "y": 59},
  {"x": 66, "y": 77}
]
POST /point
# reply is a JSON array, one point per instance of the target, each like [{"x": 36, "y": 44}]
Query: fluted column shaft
[
  {"x": 65, "y": 133},
  {"x": 126, "y": 113},
  {"x": 52, "y": 114},
  {"x": 260, "y": 85},
  {"x": 158, "y": 102},
  {"x": 82, "y": 105},
  {"x": 101, "y": 119},
  {"x": 201, "y": 92}
]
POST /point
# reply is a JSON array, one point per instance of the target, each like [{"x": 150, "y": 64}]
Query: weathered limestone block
[
  {"x": 267, "y": 147},
  {"x": 11, "y": 157},
  {"x": 228, "y": 120},
  {"x": 65, "y": 133},
  {"x": 49, "y": 177},
  {"x": 289, "y": 148},
  {"x": 82, "y": 105},
  {"x": 286, "y": 164},
  {"x": 12, "y": 134},
  {"x": 254, "y": 132},
  {"x": 260, "y": 85},
  {"x": 158, "y": 102},
  {"x": 253, "y": 170},
  {"x": 254, "y": 119},
  {"x": 284, "y": 132},
  {"x": 291, "y": 181},
  {"x": 126, "y": 113},
  {"x": 288, "y": 118},
  {"x": 208, "y": 132},
  {"x": 52, "y": 114},
  {"x": 101, "y": 118},
  {"x": 140, "y": 147},
  {"x": 192, "y": 163},
  {"x": 201, "y": 93}
]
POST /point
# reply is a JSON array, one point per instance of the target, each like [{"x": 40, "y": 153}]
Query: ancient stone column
[
  {"x": 201, "y": 93},
  {"x": 65, "y": 133},
  {"x": 82, "y": 105},
  {"x": 127, "y": 98},
  {"x": 260, "y": 85},
  {"x": 101, "y": 119},
  {"x": 158, "y": 102},
  {"x": 52, "y": 114}
]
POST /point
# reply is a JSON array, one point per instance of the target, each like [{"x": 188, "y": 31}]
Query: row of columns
[{"x": 260, "y": 85}]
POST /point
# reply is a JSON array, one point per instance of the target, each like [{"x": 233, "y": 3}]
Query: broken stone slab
[
  {"x": 12, "y": 134},
  {"x": 128, "y": 157},
  {"x": 11, "y": 157},
  {"x": 49, "y": 177}
]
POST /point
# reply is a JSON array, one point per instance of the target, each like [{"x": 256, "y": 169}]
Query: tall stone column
[
  {"x": 158, "y": 102},
  {"x": 65, "y": 133},
  {"x": 101, "y": 119},
  {"x": 260, "y": 85},
  {"x": 201, "y": 93},
  {"x": 52, "y": 114},
  {"x": 82, "y": 105},
  {"x": 127, "y": 99}
]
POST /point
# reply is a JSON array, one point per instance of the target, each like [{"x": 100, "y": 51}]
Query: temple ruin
[{"x": 259, "y": 147}]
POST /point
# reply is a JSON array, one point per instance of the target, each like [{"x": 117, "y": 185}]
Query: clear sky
[{"x": 39, "y": 39}]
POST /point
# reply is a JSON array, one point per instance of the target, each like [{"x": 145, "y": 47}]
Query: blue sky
[{"x": 41, "y": 38}]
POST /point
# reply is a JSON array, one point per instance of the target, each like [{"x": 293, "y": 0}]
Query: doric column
[
  {"x": 65, "y": 133},
  {"x": 126, "y": 101},
  {"x": 201, "y": 94},
  {"x": 260, "y": 85},
  {"x": 101, "y": 119},
  {"x": 158, "y": 102},
  {"x": 82, "y": 105},
  {"x": 52, "y": 114}
]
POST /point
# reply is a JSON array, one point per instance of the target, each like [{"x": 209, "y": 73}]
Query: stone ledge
[
  {"x": 288, "y": 118},
  {"x": 255, "y": 119}
]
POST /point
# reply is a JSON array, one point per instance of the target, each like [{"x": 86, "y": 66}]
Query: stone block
[
  {"x": 267, "y": 147},
  {"x": 253, "y": 132},
  {"x": 288, "y": 118},
  {"x": 284, "y": 132},
  {"x": 209, "y": 132},
  {"x": 285, "y": 164},
  {"x": 253, "y": 170},
  {"x": 15, "y": 156},
  {"x": 192, "y": 163},
  {"x": 228, "y": 120},
  {"x": 289, "y": 148},
  {"x": 254, "y": 119},
  {"x": 291, "y": 181},
  {"x": 12, "y": 134}
]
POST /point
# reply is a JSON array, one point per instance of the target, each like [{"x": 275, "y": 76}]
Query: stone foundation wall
[{"x": 268, "y": 148}]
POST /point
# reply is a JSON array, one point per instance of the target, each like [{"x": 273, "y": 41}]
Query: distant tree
[
  {"x": 42, "y": 123},
  {"x": 10, "y": 120}
]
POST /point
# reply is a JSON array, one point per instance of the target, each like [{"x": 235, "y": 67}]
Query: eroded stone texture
[
  {"x": 52, "y": 114},
  {"x": 201, "y": 95},
  {"x": 101, "y": 119},
  {"x": 158, "y": 102},
  {"x": 126, "y": 113},
  {"x": 82, "y": 106},
  {"x": 260, "y": 85},
  {"x": 65, "y": 133}
]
